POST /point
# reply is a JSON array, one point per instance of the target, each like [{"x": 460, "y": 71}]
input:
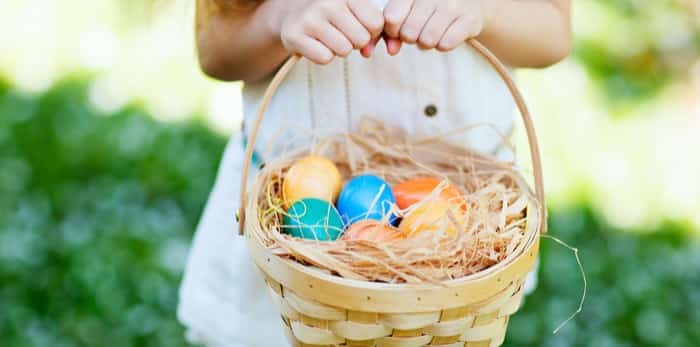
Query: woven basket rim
[
  {"x": 395, "y": 297},
  {"x": 532, "y": 231},
  {"x": 391, "y": 298}
]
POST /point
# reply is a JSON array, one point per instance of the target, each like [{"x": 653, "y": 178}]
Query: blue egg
[
  {"x": 313, "y": 219},
  {"x": 366, "y": 197}
]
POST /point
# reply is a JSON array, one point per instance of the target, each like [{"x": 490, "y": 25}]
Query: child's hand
[
  {"x": 323, "y": 29},
  {"x": 434, "y": 24}
]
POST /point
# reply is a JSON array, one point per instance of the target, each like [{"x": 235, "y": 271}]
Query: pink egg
[{"x": 372, "y": 230}]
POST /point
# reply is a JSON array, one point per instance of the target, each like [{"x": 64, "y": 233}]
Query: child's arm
[
  {"x": 231, "y": 38},
  {"x": 523, "y": 33},
  {"x": 248, "y": 39},
  {"x": 532, "y": 33}
]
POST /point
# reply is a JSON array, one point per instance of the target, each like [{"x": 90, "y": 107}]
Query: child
[{"x": 427, "y": 80}]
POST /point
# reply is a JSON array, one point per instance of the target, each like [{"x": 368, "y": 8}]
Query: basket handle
[{"x": 482, "y": 50}]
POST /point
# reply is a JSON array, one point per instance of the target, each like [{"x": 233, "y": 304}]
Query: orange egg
[
  {"x": 372, "y": 230},
  {"x": 312, "y": 177},
  {"x": 414, "y": 190},
  {"x": 433, "y": 216}
]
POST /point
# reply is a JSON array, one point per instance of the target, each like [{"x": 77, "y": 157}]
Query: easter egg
[
  {"x": 433, "y": 216},
  {"x": 313, "y": 219},
  {"x": 414, "y": 190},
  {"x": 311, "y": 177},
  {"x": 371, "y": 230},
  {"x": 366, "y": 197}
]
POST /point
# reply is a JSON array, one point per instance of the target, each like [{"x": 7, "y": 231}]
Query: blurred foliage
[
  {"x": 96, "y": 216},
  {"x": 634, "y": 48},
  {"x": 97, "y": 211},
  {"x": 643, "y": 287}
]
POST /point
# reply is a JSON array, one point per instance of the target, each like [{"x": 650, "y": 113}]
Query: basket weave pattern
[
  {"x": 320, "y": 309},
  {"x": 309, "y": 323}
]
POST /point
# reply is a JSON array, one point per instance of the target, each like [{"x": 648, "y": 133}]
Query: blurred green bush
[
  {"x": 635, "y": 48},
  {"x": 96, "y": 216},
  {"x": 644, "y": 286},
  {"x": 97, "y": 211}
]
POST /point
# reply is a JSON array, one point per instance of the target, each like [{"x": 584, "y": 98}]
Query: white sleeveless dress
[{"x": 223, "y": 302}]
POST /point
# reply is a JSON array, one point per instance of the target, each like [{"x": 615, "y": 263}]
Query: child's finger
[
  {"x": 346, "y": 22},
  {"x": 420, "y": 13},
  {"x": 435, "y": 28},
  {"x": 393, "y": 46},
  {"x": 313, "y": 50},
  {"x": 458, "y": 32},
  {"x": 395, "y": 14},
  {"x": 367, "y": 50},
  {"x": 333, "y": 39},
  {"x": 369, "y": 15}
]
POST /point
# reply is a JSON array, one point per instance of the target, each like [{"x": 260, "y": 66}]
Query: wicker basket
[{"x": 319, "y": 309}]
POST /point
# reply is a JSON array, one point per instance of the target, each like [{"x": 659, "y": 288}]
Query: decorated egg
[
  {"x": 311, "y": 177},
  {"x": 414, "y": 190},
  {"x": 372, "y": 230},
  {"x": 366, "y": 197},
  {"x": 313, "y": 219},
  {"x": 433, "y": 216}
]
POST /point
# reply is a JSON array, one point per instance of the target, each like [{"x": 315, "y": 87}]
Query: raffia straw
[
  {"x": 491, "y": 230},
  {"x": 583, "y": 276}
]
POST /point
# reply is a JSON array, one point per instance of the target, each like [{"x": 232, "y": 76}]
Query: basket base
[
  {"x": 310, "y": 324},
  {"x": 318, "y": 309}
]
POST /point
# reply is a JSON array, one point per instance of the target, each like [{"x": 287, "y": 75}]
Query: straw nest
[{"x": 493, "y": 229}]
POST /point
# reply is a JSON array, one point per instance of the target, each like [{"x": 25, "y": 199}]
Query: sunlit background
[{"x": 110, "y": 138}]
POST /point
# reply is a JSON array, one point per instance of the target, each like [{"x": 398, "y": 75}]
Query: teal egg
[{"x": 313, "y": 219}]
